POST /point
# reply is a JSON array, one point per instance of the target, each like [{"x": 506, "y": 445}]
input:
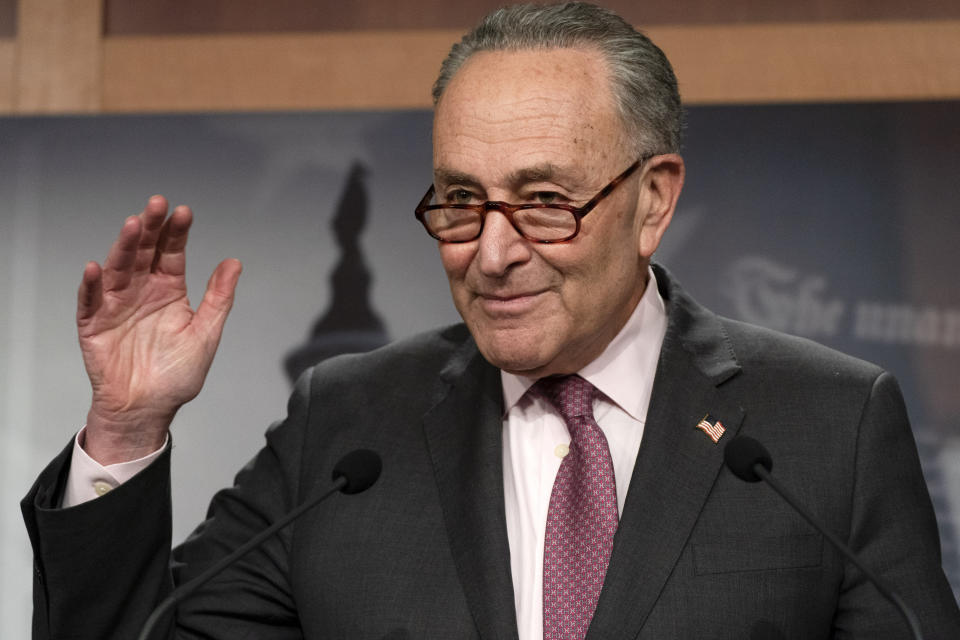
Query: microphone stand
[{"x": 187, "y": 588}]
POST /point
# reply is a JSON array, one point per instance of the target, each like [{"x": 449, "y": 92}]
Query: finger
[
  {"x": 170, "y": 257},
  {"x": 218, "y": 298},
  {"x": 90, "y": 293},
  {"x": 152, "y": 218},
  {"x": 118, "y": 267}
]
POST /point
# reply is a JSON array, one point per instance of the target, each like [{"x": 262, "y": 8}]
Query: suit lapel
[
  {"x": 676, "y": 466},
  {"x": 464, "y": 437}
]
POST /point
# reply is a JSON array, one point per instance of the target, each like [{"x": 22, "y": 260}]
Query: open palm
[{"x": 146, "y": 351}]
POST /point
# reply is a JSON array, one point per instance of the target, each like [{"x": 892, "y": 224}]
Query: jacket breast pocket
[{"x": 758, "y": 554}]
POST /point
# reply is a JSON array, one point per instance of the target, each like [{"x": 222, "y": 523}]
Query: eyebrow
[
  {"x": 536, "y": 173},
  {"x": 443, "y": 176}
]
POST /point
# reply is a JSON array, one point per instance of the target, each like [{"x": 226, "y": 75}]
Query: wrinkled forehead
[{"x": 528, "y": 107}]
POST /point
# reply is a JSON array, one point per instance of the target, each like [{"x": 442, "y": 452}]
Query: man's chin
[
  {"x": 519, "y": 360},
  {"x": 519, "y": 347}
]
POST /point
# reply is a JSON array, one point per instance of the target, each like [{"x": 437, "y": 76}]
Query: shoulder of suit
[
  {"x": 723, "y": 345},
  {"x": 419, "y": 356},
  {"x": 759, "y": 349}
]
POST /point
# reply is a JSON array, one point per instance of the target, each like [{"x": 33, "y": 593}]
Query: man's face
[{"x": 541, "y": 126}]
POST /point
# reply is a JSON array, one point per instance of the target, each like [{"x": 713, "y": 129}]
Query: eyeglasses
[{"x": 544, "y": 223}]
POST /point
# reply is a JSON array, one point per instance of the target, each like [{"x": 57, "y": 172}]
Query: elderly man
[{"x": 553, "y": 467}]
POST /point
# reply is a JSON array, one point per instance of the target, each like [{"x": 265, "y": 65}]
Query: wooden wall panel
[
  {"x": 60, "y": 61},
  {"x": 8, "y": 49},
  {"x": 58, "y": 56},
  {"x": 389, "y": 70},
  {"x": 168, "y": 17},
  {"x": 378, "y": 70},
  {"x": 815, "y": 62},
  {"x": 8, "y": 18}
]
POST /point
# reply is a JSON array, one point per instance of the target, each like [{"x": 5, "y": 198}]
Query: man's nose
[{"x": 500, "y": 246}]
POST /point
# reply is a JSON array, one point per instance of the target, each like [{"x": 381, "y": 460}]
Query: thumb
[{"x": 218, "y": 298}]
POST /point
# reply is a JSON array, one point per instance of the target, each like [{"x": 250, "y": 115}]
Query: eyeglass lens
[{"x": 462, "y": 225}]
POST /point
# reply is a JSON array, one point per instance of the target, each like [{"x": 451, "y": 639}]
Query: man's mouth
[{"x": 509, "y": 303}]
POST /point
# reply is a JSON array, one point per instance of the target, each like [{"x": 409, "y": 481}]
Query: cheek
[
  {"x": 456, "y": 258},
  {"x": 599, "y": 279}
]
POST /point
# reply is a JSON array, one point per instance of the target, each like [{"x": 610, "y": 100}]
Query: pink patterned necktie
[{"x": 582, "y": 517}]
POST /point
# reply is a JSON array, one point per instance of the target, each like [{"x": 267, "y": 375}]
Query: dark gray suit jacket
[{"x": 424, "y": 553}]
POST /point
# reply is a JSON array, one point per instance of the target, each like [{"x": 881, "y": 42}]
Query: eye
[
  {"x": 459, "y": 196},
  {"x": 547, "y": 197}
]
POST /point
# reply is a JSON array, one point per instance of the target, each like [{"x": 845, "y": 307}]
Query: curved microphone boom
[
  {"x": 751, "y": 462},
  {"x": 353, "y": 473}
]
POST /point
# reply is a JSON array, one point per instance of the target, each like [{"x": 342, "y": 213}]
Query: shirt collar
[{"x": 624, "y": 371}]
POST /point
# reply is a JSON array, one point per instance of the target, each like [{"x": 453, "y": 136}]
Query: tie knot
[{"x": 571, "y": 395}]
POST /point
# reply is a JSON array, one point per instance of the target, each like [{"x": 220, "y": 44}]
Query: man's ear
[{"x": 662, "y": 181}]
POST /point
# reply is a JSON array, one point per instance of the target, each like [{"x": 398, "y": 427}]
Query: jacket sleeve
[
  {"x": 101, "y": 567},
  {"x": 894, "y": 530},
  {"x": 93, "y": 577}
]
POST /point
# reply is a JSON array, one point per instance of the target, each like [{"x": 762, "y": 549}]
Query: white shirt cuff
[{"x": 88, "y": 479}]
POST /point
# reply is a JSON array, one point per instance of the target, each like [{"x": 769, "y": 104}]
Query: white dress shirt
[
  {"x": 535, "y": 439},
  {"x": 88, "y": 479}
]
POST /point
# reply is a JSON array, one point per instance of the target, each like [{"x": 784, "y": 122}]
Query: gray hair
[{"x": 644, "y": 85}]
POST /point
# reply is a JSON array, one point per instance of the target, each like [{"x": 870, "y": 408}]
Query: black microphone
[
  {"x": 750, "y": 461},
  {"x": 353, "y": 473}
]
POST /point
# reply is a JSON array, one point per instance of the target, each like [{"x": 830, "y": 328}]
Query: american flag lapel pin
[{"x": 712, "y": 427}]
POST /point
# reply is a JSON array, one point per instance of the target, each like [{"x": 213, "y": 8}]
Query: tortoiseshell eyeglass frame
[{"x": 509, "y": 209}]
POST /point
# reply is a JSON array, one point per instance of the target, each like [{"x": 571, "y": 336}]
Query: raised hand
[{"x": 146, "y": 351}]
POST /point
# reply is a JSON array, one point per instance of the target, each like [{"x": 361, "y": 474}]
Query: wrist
[{"x": 114, "y": 439}]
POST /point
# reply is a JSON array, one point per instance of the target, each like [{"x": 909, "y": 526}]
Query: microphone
[
  {"x": 751, "y": 462},
  {"x": 355, "y": 472}
]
